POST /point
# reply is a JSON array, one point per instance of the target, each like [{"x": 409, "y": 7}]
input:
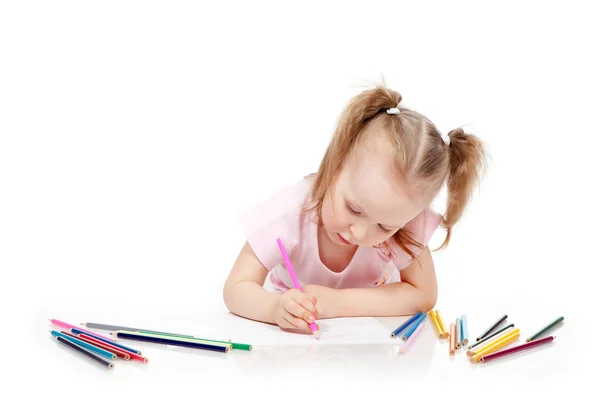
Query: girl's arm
[
  {"x": 243, "y": 291},
  {"x": 416, "y": 292}
]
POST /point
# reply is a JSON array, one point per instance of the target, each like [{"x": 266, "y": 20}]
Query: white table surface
[{"x": 325, "y": 368}]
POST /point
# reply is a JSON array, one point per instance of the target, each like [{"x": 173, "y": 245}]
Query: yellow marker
[
  {"x": 501, "y": 342},
  {"x": 437, "y": 324},
  {"x": 441, "y": 322}
]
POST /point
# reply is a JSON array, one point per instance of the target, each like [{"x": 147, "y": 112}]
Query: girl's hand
[
  {"x": 327, "y": 306},
  {"x": 296, "y": 310}
]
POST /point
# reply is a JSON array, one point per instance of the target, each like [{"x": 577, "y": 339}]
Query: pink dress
[{"x": 281, "y": 216}]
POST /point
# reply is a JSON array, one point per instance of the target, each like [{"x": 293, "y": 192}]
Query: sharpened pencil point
[{"x": 316, "y": 333}]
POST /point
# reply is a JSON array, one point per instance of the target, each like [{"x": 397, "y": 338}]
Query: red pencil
[
  {"x": 102, "y": 345},
  {"x": 517, "y": 349},
  {"x": 96, "y": 342}
]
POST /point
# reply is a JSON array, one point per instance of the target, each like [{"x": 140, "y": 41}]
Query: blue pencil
[
  {"x": 86, "y": 345},
  {"x": 463, "y": 329},
  {"x": 458, "y": 333},
  {"x": 413, "y": 327},
  {"x": 406, "y": 324},
  {"x": 78, "y": 331}
]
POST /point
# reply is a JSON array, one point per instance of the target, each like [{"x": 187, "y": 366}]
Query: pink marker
[
  {"x": 411, "y": 338},
  {"x": 290, "y": 269},
  {"x": 69, "y": 326}
]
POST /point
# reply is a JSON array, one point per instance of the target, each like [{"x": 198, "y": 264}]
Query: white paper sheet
[{"x": 360, "y": 330}]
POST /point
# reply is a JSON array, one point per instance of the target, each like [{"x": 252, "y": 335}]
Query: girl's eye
[
  {"x": 352, "y": 210},
  {"x": 387, "y": 231}
]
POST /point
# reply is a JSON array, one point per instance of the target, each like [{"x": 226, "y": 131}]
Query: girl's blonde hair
[{"x": 419, "y": 153}]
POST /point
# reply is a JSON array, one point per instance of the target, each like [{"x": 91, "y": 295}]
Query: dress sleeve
[{"x": 277, "y": 217}]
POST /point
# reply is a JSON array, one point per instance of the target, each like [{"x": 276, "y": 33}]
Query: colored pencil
[
  {"x": 112, "y": 342},
  {"x": 171, "y": 342},
  {"x": 106, "y": 327},
  {"x": 95, "y": 325},
  {"x": 413, "y": 327},
  {"x": 458, "y": 326},
  {"x": 452, "y": 341},
  {"x": 492, "y": 327},
  {"x": 88, "y": 346},
  {"x": 290, "y": 268},
  {"x": 523, "y": 347},
  {"x": 490, "y": 345},
  {"x": 491, "y": 336},
  {"x": 115, "y": 350},
  {"x": 441, "y": 322},
  {"x": 185, "y": 339},
  {"x": 500, "y": 344},
  {"x": 436, "y": 323},
  {"x": 69, "y": 326},
  {"x": 234, "y": 345},
  {"x": 545, "y": 329},
  {"x": 411, "y": 338},
  {"x": 405, "y": 325},
  {"x": 132, "y": 355},
  {"x": 85, "y": 352},
  {"x": 463, "y": 329},
  {"x": 505, "y": 334}
]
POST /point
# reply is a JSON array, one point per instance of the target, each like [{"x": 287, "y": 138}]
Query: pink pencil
[
  {"x": 69, "y": 326},
  {"x": 411, "y": 338},
  {"x": 290, "y": 269}
]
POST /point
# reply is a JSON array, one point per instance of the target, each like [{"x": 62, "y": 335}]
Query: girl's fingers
[
  {"x": 298, "y": 311},
  {"x": 295, "y": 323}
]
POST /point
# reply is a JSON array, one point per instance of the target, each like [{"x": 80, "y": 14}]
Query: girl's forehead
[{"x": 370, "y": 179}]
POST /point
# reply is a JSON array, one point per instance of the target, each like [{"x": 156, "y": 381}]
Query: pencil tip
[{"x": 316, "y": 333}]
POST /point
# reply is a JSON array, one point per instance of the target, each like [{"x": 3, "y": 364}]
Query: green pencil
[
  {"x": 545, "y": 329},
  {"x": 235, "y": 346}
]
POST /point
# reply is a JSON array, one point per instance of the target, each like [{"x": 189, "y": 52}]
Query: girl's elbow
[{"x": 428, "y": 302}]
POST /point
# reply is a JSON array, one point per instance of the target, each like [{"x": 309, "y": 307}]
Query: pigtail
[{"x": 466, "y": 163}]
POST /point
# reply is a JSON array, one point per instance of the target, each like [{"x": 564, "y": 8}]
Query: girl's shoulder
[
  {"x": 420, "y": 229},
  {"x": 284, "y": 203},
  {"x": 280, "y": 215}
]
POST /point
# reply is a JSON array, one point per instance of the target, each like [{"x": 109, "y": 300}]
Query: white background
[{"x": 132, "y": 133}]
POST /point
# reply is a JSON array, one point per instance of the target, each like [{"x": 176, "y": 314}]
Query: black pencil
[
  {"x": 86, "y": 352},
  {"x": 172, "y": 341},
  {"x": 490, "y": 336},
  {"x": 494, "y": 326}
]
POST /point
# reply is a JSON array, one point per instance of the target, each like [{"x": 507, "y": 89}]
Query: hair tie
[
  {"x": 394, "y": 110},
  {"x": 445, "y": 138}
]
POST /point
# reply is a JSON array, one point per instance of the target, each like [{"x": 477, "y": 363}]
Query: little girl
[{"x": 357, "y": 231}]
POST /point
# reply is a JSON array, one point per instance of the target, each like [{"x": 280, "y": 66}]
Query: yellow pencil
[
  {"x": 441, "y": 322},
  {"x": 475, "y": 352},
  {"x": 485, "y": 349},
  {"x": 437, "y": 324},
  {"x": 511, "y": 338}
]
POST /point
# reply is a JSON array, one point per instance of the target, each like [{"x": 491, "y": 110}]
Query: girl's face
[{"x": 368, "y": 201}]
